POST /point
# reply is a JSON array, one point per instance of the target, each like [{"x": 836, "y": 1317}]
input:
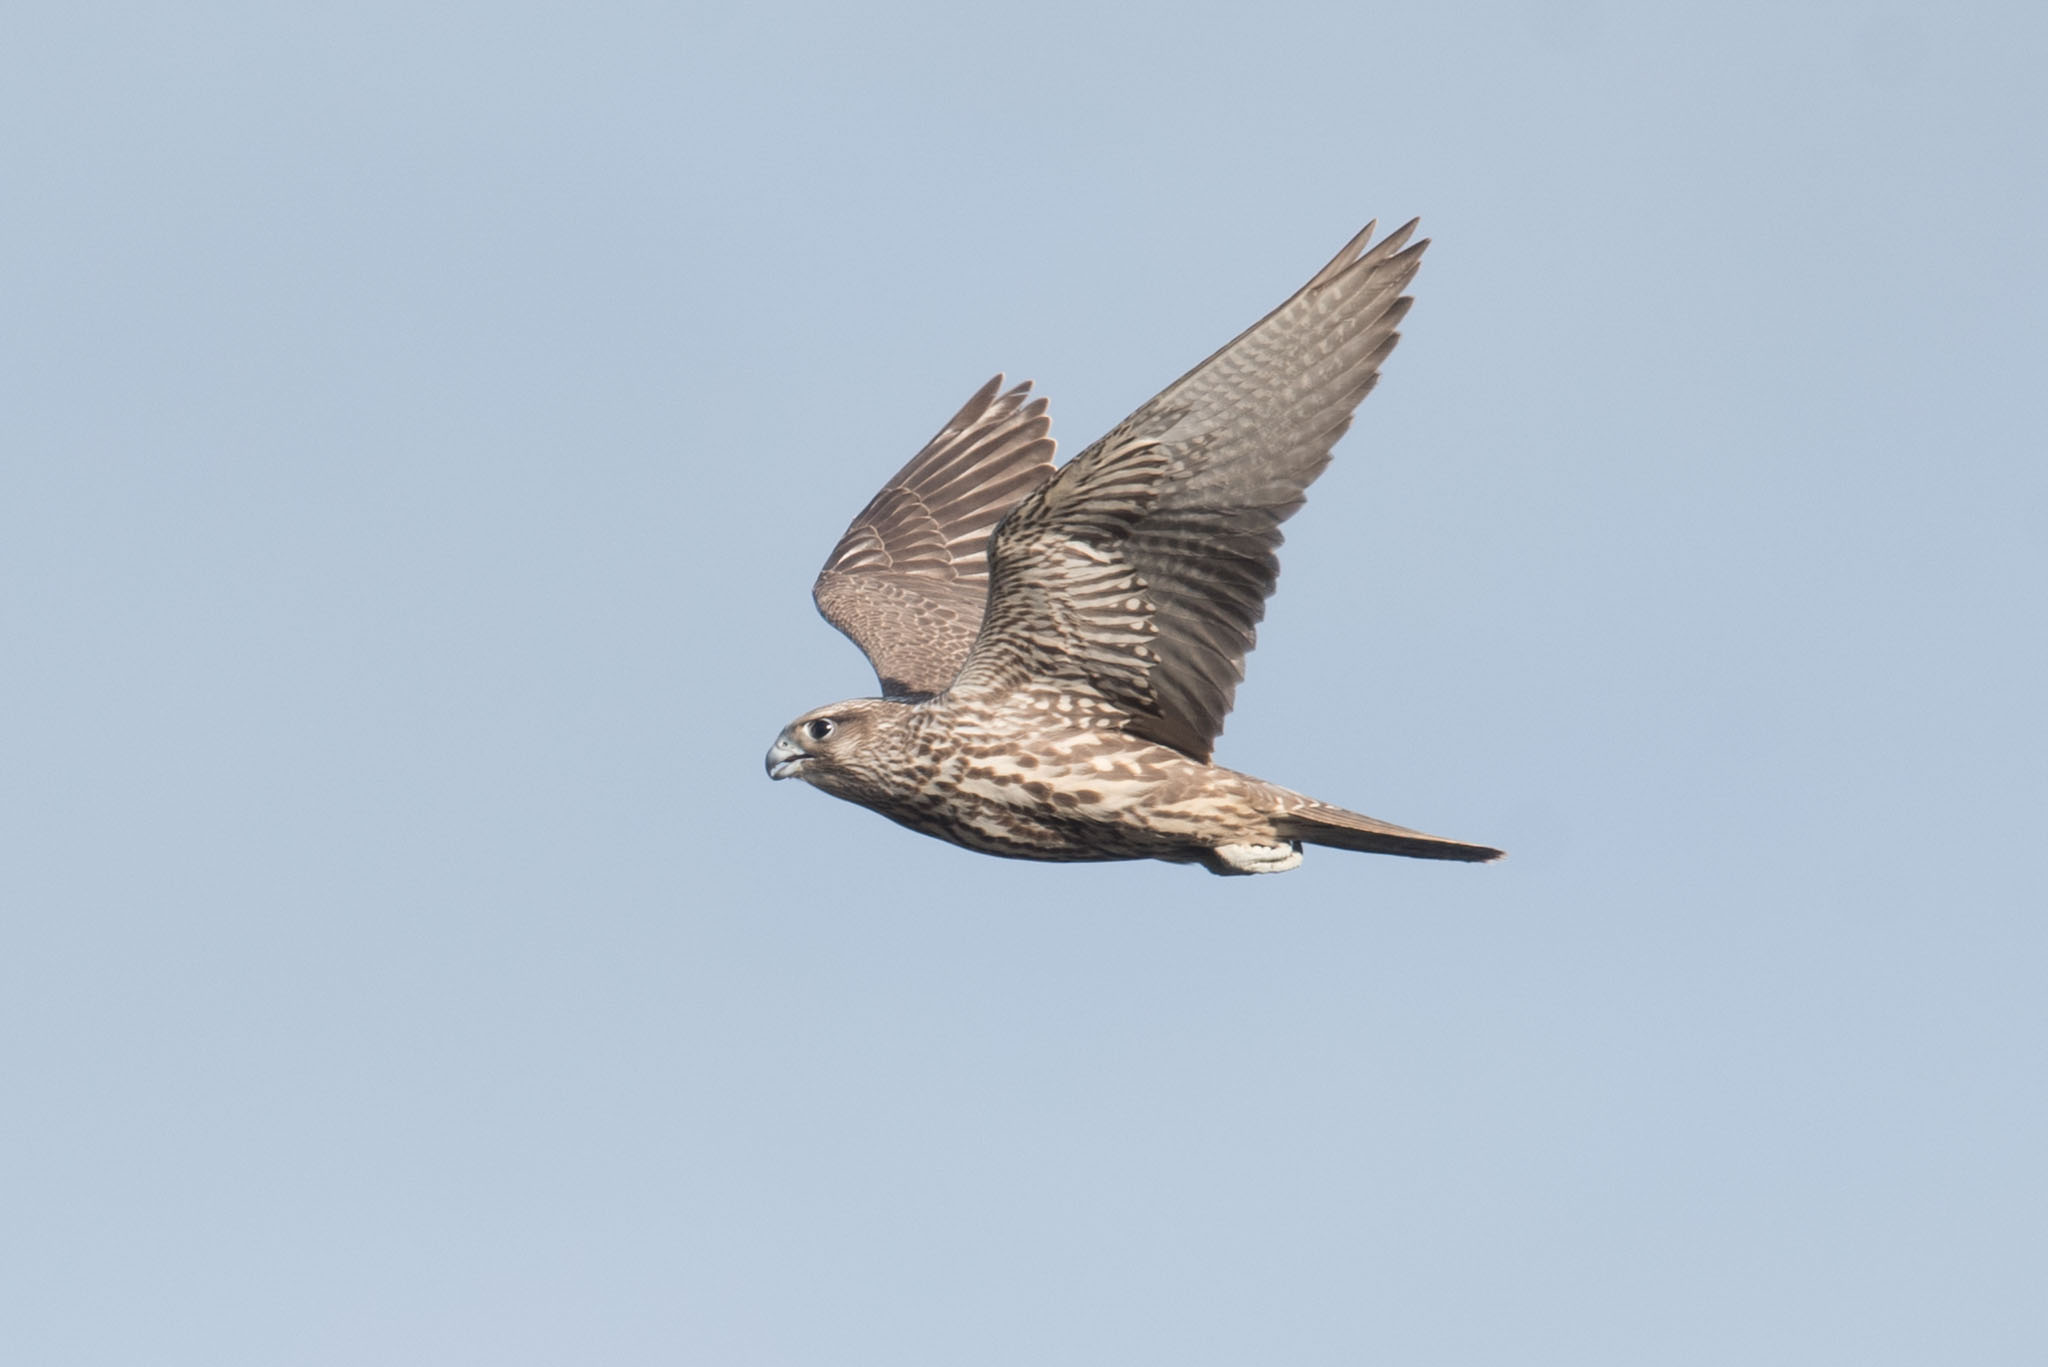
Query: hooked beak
[{"x": 784, "y": 758}]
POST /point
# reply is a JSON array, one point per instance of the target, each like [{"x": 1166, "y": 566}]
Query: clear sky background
[{"x": 421, "y": 425}]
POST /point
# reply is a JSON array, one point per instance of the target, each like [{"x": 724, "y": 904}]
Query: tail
[{"x": 1315, "y": 823}]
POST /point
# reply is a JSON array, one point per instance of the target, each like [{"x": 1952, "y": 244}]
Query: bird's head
[{"x": 835, "y": 748}]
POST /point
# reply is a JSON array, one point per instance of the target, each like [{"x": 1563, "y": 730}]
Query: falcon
[{"x": 1058, "y": 648}]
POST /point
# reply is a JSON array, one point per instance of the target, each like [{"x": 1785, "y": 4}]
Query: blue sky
[{"x": 421, "y": 426}]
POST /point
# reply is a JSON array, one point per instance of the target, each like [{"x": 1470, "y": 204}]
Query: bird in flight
[{"x": 1058, "y": 647}]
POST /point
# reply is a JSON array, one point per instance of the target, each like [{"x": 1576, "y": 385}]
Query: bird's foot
[{"x": 1228, "y": 859}]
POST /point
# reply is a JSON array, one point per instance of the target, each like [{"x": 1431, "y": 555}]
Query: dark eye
[{"x": 819, "y": 729}]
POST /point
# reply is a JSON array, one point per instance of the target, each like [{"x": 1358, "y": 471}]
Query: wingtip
[{"x": 1361, "y": 248}]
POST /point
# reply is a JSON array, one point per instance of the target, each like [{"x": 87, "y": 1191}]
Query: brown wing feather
[
  {"x": 1140, "y": 572},
  {"x": 908, "y": 580}
]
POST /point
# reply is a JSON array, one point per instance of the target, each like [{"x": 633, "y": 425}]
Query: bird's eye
[{"x": 819, "y": 729}]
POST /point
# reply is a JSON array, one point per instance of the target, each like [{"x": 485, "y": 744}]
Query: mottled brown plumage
[{"x": 1058, "y": 649}]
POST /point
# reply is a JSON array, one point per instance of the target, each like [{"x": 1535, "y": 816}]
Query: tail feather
[{"x": 1316, "y": 823}]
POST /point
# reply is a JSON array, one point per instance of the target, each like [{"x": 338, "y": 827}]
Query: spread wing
[
  {"x": 909, "y": 579},
  {"x": 1140, "y": 572}
]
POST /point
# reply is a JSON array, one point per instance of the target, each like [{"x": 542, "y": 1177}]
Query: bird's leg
[{"x": 1229, "y": 859}]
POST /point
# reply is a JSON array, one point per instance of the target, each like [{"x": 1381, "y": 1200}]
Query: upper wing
[
  {"x": 1141, "y": 570},
  {"x": 909, "y": 579}
]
